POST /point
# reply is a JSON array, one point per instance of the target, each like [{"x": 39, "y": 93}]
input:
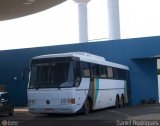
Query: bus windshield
[{"x": 51, "y": 75}]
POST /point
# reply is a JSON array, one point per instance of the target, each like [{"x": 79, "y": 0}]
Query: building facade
[{"x": 139, "y": 54}]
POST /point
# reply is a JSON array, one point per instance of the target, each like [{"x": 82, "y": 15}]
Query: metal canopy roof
[{"x": 10, "y": 9}]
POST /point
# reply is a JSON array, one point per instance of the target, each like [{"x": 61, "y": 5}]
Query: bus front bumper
[{"x": 67, "y": 110}]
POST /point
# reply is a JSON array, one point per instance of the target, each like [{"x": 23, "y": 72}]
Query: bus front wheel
[{"x": 87, "y": 107}]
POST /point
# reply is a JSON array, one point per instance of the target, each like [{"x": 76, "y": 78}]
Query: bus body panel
[
  {"x": 105, "y": 91},
  {"x": 38, "y": 99}
]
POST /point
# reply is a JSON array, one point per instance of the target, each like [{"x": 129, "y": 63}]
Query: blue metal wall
[{"x": 138, "y": 54}]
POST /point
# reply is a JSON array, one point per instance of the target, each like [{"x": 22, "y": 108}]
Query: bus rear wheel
[
  {"x": 122, "y": 101},
  {"x": 117, "y": 104}
]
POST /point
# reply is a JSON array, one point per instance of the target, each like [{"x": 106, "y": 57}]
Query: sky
[{"x": 59, "y": 25}]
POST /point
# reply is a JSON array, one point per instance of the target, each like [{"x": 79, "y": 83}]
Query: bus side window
[
  {"x": 122, "y": 74},
  {"x": 127, "y": 76},
  {"x": 102, "y": 71},
  {"x": 94, "y": 70},
  {"x": 85, "y": 69},
  {"x": 110, "y": 72},
  {"x": 116, "y": 73}
]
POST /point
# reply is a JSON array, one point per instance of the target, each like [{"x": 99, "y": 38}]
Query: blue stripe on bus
[{"x": 96, "y": 87}]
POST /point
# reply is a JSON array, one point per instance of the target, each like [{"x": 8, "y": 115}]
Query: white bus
[{"x": 76, "y": 82}]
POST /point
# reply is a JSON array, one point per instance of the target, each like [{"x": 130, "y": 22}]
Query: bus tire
[
  {"x": 117, "y": 102},
  {"x": 87, "y": 107},
  {"x": 122, "y": 101}
]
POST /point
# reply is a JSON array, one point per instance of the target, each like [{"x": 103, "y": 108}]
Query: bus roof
[{"x": 84, "y": 57}]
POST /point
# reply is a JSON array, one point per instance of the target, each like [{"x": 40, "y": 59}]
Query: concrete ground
[{"x": 147, "y": 115}]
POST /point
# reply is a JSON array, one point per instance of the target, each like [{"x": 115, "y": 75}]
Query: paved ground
[{"x": 147, "y": 115}]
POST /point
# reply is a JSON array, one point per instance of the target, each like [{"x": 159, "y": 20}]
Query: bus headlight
[{"x": 66, "y": 101}]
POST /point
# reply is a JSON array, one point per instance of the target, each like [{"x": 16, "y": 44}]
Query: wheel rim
[
  {"x": 117, "y": 102},
  {"x": 87, "y": 107}
]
